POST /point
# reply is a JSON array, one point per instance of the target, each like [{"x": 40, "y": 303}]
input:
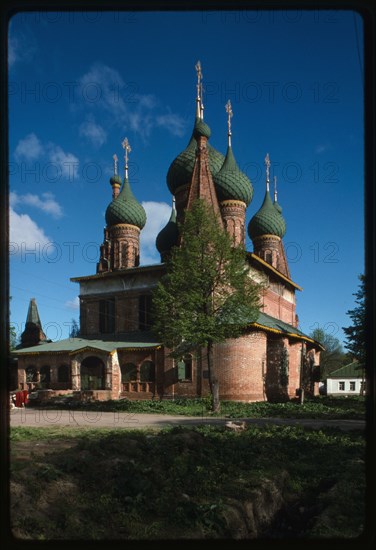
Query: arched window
[
  {"x": 185, "y": 368},
  {"x": 45, "y": 377},
  {"x": 128, "y": 372},
  {"x": 92, "y": 374},
  {"x": 147, "y": 372},
  {"x": 63, "y": 373},
  {"x": 31, "y": 374}
]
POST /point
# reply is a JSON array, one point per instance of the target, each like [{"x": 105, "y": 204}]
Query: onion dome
[
  {"x": 169, "y": 235},
  {"x": 116, "y": 180},
  {"x": 267, "y": 221},
  {"x": 278, "y": 207},
  {"x": 201, "y": 129},
  {"x": 181, "y": 169},
  {"x": 231, "y": 183},
  {"x": 125, "y": 208}
]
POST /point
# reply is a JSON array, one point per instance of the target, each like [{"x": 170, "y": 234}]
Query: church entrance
[{"x": 92, "y": 374}]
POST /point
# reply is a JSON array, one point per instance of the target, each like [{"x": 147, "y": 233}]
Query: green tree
[
  {"x": 332, "y": 358},
  {"x": 356, "y": 332},
  {"x": 207, "y": 294},
  {"x": 75, "y": 330},
  {"x": 13, "y": 340}
]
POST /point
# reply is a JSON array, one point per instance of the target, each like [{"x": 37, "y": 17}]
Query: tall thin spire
[
  {"x": 229, "y": 117},
  {"x": 127, "y": 149},
  {"x": 275, "y": 188},
  {"x": 199, "y": 98},
  {"x": 115, "y": 165},
  {"x": 267, "y": 164}
]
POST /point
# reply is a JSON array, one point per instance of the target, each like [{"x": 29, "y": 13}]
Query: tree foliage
[
  {"x": 75, "y": 329},
  {"x": 333, "y": 357},
  {"x": 13, "y": 339},
  {"x": 206, "y": 295},
  {"x": 356, "y": 332}
]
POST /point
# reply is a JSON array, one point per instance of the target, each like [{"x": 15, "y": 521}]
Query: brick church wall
[{"x": 240, "y": 365}]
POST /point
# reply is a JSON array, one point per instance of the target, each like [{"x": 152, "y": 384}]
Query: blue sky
[{"x": 81, "y": 82}]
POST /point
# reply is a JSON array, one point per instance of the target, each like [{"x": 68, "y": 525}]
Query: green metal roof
[
  {"x": 181, "y": 169},
  {"x": 352, "y": 370},
  {"x": 201, "y": 129},
  {"x": 32, "y": 314},
  {"x": 169, "y": 235},
  {"x": 267, "y": 221},
  {"x": 126, "y": 209},
  {"x": 136, "y": 340},
  {"x": 278, "y": 326},
  {"x": 231, "y": 183}
]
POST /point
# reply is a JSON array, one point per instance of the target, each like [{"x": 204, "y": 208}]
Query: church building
[{"x": 117, "y": 356}]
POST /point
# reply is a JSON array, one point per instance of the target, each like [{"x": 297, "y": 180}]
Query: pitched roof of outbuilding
[{"x": 352, "y": 370}]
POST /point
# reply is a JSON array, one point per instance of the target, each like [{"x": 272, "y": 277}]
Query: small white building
[{"x": 348, "y": 380}]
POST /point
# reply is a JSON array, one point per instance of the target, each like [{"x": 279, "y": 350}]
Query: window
[
  {"x": 341, "y": 386},
  {"x": 92, "y": 374},
  {"x": 144, "y": 312},
  {"x": 147, "y": 372},
  {"x": 128, "y": 372},
  {"x": 107, "y": 316},
  {"x": 352, "y": 386},
  {"x": 185, "y": 368},
  {"x": 63, "y": 374},
  {"x": 31, "y": 374},
  {"x": 45, "y": 377}
]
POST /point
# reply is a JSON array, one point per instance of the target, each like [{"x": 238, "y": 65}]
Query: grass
[
  {"x": 185, "y": 483},
  {"x": 322, "y": 407}
]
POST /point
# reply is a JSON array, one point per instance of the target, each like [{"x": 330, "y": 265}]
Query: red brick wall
[
  {"x": 278, "y": 307},
  {"x": 240, "y": 365},
  {"x": 295, "y": 355}
]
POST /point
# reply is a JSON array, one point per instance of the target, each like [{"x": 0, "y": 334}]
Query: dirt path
[{"x": 43, "y": 418}]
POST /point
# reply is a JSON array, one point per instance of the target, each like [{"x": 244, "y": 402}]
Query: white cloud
[
  {"x": 67, "y": 163},
  {"x": 322, "y": 148},
  {"x": 12, "y": 51},
  {"x": 173, "y": 123},
  {"x": 25, "y": 234},
  {"x": 47, "y": 203},
  {"x": 73, "y": 304},
  {"x": 29, "y": 148},
  {"x": 103, "y": 88},
  {"x": 21, "y": 48},
  {"x": 93, "y": 132},
  {"x": 157, "y": 216}
]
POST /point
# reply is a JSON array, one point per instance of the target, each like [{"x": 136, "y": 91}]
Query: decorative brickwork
[
  {"x": 202, "y": 185},
  {"x": 233, "y": 215}
]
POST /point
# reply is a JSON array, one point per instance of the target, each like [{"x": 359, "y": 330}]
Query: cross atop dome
[
  {"x": 127, "y": 149},
  {"x": 267, "y": 164},
  {"x": 275, "y": 188},
  {"x": 199, "y": 99},
  {"x": 230, "y": 114},
  {"x": 115, "y": 164}
]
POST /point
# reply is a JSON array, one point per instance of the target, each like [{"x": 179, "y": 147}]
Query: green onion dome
[
  {"x": 201, "y": 129},
  {"x": 116, "y": 180},
  {"x": 231, "y": 183},
  {"x": 126, "y": 209},
  {"x": 169, "y": 235},
  {"x": 267, "y": 221},
  {"x": 181, "y": 169},
  {"x": 278, "y": 207}
]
